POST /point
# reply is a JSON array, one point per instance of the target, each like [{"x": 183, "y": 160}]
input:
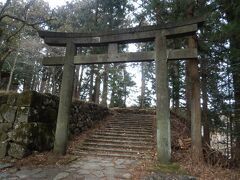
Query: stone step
[
  {"x": 112, "y": 150},
  {"x": 130, "y": 124},
  {"x": 121, "y": 138},
  {"x": 131, "y": 120},
  {"x": 124, "y": 131},
  {"x": 131, "y": 116},
  {"x": 114, "y": 141},
  {"x": 123, "y": 134},
  {"x": 106, "y": 154},
  {"x": 129, "y": 129},
  {"x": 120, "y": 146},
  {"x": 148, "y": 120}
]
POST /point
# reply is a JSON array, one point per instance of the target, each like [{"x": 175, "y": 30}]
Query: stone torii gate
[{"x": 161, "y": 55}]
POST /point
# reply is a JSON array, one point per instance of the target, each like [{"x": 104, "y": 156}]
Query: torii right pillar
[
  {"x": 163, "y": 111},
  {"x": 197, "y": 153}
]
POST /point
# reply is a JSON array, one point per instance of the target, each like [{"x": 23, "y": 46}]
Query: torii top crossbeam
[{"x": 130, "y": 35}]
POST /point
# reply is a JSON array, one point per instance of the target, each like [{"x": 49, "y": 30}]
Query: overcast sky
[{"x": 52, "y": 3}]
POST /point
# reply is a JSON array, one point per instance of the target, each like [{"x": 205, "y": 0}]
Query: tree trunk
[
  {"x": 233, "y": 18},
  {"x": 28, "y": 80},
  {"x": 188, "y": 92},
  {"x": 176, "y": 85},
  {"x": 97, "y": 85},
  {"x": 44, "y": 80},
  {"x": 142, "y": 98},
  {"x": 105, "y": 85},
  {"x": 236, "y": 85},
  {"x": 33, "y": 84},
  {"x": 80, "y": 81},
  {"x": 48, "y": 83},
  {"x": 125, "y": 87},
  {"x": 113, "y": 89},
  {"x": 12, "y": 71},
  {"x": 54, "y": 80},
  {"x": 91, "y": 83},
  {"x": 206, "y": 126},
  {"x": 76, "y": 82}
]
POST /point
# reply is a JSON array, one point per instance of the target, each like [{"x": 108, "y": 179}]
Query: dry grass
[
  {"x": 185, "y": 166},
  {"x": 203, "y": 170}
]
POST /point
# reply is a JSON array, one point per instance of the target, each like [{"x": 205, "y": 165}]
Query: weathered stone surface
[
  {"x": 7, "y": 113},
  {"x": 127, "y": 176},
  {"x": 3, "y": 98},
  {"x": 5, "y": 127},
  {"x": 3, "y": 136},
  {"x": 36, "y": 136},
  {"x": 61, "y": 175},
  {"x": 12, "y": 99},
  {"x": 27, "y": 114},
  {"x": 18, "y": 151},
  {"x": 24, "y": 99},
  {"x": 3, "y": 149}
]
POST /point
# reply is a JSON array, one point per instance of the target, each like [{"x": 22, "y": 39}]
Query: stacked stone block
[{"x": 28, "y": 121}]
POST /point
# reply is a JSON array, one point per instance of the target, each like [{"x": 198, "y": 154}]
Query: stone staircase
[{"x": 126, "y": 135}]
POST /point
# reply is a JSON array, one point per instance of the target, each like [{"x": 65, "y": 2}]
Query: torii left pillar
[
  {"x": 162, "y": 110},
  {"x": 61, "y": 134}
]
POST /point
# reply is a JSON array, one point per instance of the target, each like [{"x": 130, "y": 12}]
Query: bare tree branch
[
  {"x": 24, "y": 21},
  {"x": 15, "y": 33},
  {"x": 4, "y": 8}
]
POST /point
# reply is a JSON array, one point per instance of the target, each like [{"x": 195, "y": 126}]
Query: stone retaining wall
[{"x": 28, "y": 120}]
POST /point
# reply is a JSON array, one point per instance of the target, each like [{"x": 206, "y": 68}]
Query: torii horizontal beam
[
  {"x": 130, "y": 35},
  {"x": 176, "y": 54}
]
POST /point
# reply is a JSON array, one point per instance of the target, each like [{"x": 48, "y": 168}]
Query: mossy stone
[
  {"x": 5, "y": 127},
  {"x": 35, "y": 136},
  {"x": 3, "y": 98},
  {"x": 18, "y": 151},
  {"x": 25, "y": 99},
  {"x": 27, "y": 114},
  {"x": 12, "y": 99},
  {"x": 22, "y": 134},
  {"x": 44, "y": 140},
  {"x": 3, "y": 149},
  {"x": 48, "y": 115},
  {"x": 3, "y": 136},
  {"x": 30, "y": 98},
  {"x": 7, "y": 113}
]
